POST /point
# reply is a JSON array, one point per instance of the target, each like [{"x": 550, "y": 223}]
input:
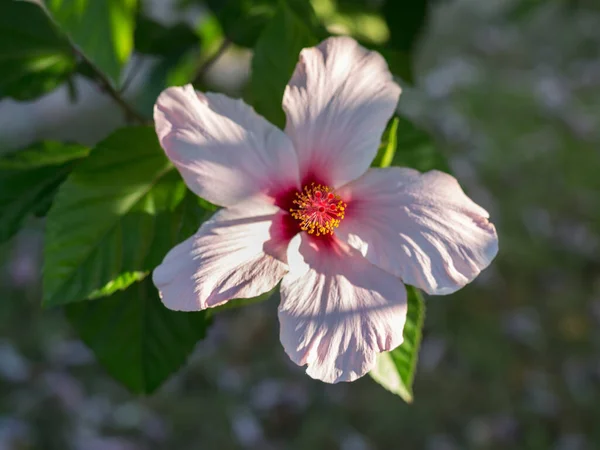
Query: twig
[
  {"x": 101, "y": 80},
  {"x": 105, "y": 85},
  {"x": 201, "y": 71}
]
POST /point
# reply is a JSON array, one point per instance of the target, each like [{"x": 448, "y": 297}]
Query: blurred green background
[{"x": 511, "y": 92}]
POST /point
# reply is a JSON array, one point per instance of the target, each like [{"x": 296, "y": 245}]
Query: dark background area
[{"x": 511, "y": 92}]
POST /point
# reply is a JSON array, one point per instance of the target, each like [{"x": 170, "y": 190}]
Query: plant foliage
[{"x": 113, "y": 211}]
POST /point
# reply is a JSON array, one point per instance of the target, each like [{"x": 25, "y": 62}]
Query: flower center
[{"x": 318, "y": 209}]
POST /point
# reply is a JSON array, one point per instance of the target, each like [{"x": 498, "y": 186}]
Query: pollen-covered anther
[{"x": 318, "y": 209}]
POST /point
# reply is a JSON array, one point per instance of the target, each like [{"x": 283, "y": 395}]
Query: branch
[
  {"x": 105, "y": 85},
  {"x": 201, "y": 71}
]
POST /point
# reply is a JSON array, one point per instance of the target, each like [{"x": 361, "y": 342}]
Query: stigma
[{"x": 318, "y": 210}]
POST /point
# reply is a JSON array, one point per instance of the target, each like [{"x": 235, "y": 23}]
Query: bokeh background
[{"x": 511, "y": 92}]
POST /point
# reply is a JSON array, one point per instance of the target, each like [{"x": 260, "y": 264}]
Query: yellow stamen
[{"x": 318, "y": 209}]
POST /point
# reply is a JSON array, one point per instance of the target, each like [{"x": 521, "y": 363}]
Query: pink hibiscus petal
[
  {"x": 229, "y": 257},
  {"x": 338, "y": 310},
  {"x": 225, "y": 152},
  {"x": 337, "y": 104},
  {"x": 419, "y": 227}
]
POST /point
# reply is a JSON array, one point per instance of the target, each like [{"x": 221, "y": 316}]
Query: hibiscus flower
[{"x": 302, "y": 206}]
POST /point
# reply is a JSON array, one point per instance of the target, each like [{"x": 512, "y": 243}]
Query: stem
[
  {"x": 105, "y": 85},
  {"x": 201, "y": 71}
]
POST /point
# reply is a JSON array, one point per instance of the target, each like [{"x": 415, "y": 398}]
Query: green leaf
[
  {"x": 275, "y": 56},
  {"x": 395, "y": 370},
  {"x": 399, "y": 62},
  {"x": 155, "y": 83},
  {"x": 243, "y": 20},
  {"x": 415, "y": 148},
  {"x": 35, "y": 58},
  {"x": 182, "y": 223},
  {"x": 403, "y": 144},
  {"x": 181, "y": 57},
  {"x": 42, "y": 154},
  {"x": 116, "y": 214},
  {"x": 190, "y": 214},
  {"x": 241, "y": 302},
  {"x": 180, "y": 67},
  {"x": 102, "y": 29},
  {"x": 153, "y": 38},
  {"x": 406, "y": 20},
  {"x": 137, "y": 339},
  {"x": 360, "y": 21},
  {"x": 29, "y": 180},
  {"x": 387, "y": 148},
  {"x": 121, "y": 282}
]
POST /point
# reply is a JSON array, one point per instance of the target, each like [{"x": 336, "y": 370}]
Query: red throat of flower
[{"x": 318, "y": 210}]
